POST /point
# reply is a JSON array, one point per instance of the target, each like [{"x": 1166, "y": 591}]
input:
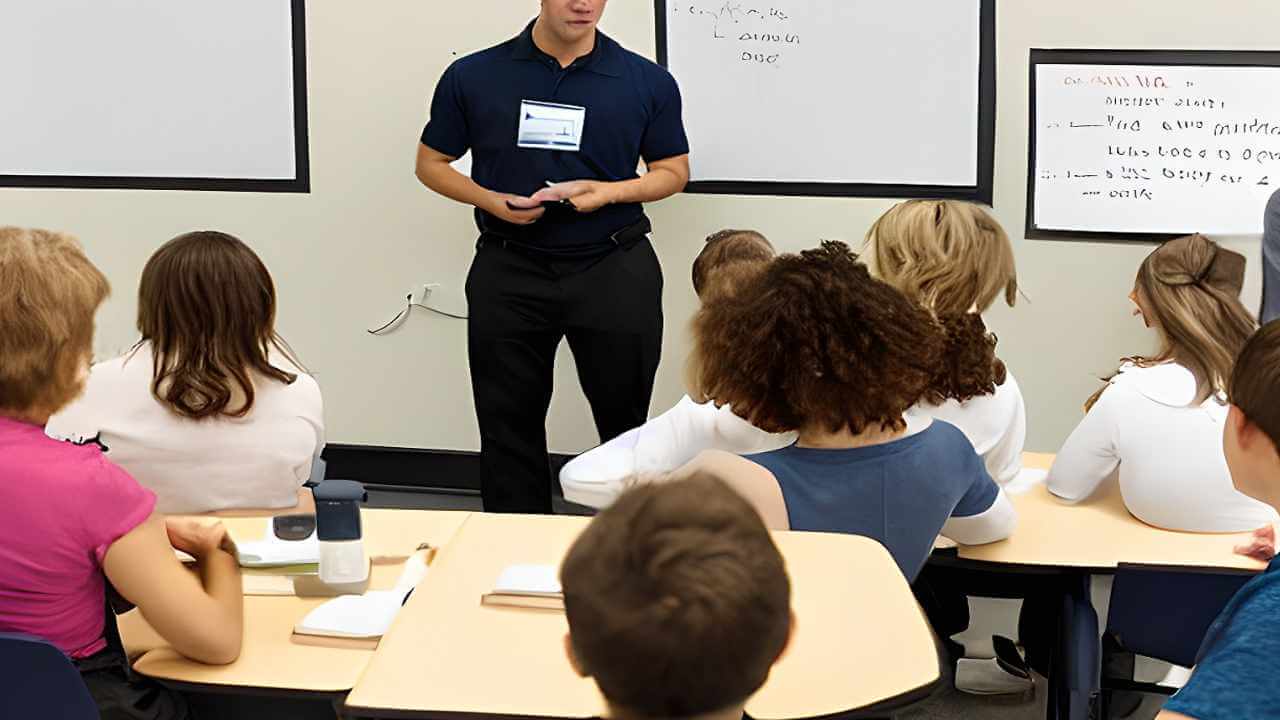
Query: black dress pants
[{"x": 520, "y": 305}]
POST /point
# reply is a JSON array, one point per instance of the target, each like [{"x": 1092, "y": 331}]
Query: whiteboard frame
[
  {"x": 982, "y": 192},
  {"x": 300, "y": 183},
  {"x": 1082, "y": 56}
]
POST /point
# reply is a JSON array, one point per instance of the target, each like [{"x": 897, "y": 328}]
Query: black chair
[
  {"x": 1162, "y": 612},
  {"x": 41, "y": 682}
]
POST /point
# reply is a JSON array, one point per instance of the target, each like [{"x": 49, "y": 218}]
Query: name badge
[{"x": 550, "y": 126}]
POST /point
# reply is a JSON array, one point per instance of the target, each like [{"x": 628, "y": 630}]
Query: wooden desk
[
  {"x": 860, "y": 638},
  {"x": 269, "y": 660},
  {"x": 1098, "y": 534}
]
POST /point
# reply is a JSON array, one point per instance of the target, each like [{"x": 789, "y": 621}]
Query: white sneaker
[{"x": 989, "y": 677}]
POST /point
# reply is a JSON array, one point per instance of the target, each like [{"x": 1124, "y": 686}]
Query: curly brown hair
[
  {"x": 969, "y": 367},
  {"x": 813, "y": 341}
]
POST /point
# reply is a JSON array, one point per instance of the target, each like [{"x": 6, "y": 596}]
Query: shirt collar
[{"x": 604, "y": 59}]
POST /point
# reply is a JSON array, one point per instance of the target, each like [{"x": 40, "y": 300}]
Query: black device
[{"x": 294, "y": 527}]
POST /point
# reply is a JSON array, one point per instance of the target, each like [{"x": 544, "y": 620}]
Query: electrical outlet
[{"x": 418, "y": 294}]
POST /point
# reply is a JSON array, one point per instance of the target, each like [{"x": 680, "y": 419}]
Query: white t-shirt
[
  {"x": 1173, "y": 473},
  {"x": 197, "y": 466},
  {"x": 996, "y": 424}
]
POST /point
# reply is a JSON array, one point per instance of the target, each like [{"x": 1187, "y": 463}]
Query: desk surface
[
  {"x": 860, "y": 638},
  {"x": 269, "y": 659},
  {"x": 1099, "y": 533}
]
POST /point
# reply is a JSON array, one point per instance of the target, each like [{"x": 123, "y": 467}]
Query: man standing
[{"x": 557, "y": 121}]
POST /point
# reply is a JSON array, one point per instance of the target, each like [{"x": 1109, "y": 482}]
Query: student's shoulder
[
  {"x": 946, "y": 436},
  {"x": 1166, "y": 383}
]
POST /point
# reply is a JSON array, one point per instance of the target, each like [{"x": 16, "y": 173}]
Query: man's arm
[
  {"x": 665, "y": 178},
  {"x": 434, "y": 170},
  {"x": 1166, "y": 715}
]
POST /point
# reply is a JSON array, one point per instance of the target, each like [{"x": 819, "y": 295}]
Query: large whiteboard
[
  {"x": 153, "y": 94},
  {"x": 835, "y": 96},
  {"x": 1153, "y": 143}
]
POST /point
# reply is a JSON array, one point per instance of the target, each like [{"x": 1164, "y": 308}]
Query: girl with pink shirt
[{"x": 70, "y": 520}]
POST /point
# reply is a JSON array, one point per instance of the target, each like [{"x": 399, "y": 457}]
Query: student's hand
[
  {"x": 1262, "y": 546},
  {"x": 198, "y": 539},
  {"x": 585, "y": 195},
  {"x": 515, "y": 209}
]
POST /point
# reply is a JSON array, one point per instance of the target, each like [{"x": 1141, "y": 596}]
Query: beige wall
[{"x": 344, "y": 255}]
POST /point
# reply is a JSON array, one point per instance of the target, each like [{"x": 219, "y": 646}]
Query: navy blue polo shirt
[{"x": 633, "y": 111}]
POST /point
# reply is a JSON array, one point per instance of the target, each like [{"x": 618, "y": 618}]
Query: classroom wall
[{"x": 344, "y": 255}]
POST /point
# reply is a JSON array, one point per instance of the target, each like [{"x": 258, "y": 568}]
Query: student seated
[
  {"x": 678, "y": 602},
  {"x": 70, "y": 520},
  {"x": 673, "y": 438},
  {"x": 815, "y": 345},
  {"x": 1233, "y": 676},
  {"x": 955, "y": 260},
  {"x": 210, "y": 410},
  {"x": 1160, "y": 419}
]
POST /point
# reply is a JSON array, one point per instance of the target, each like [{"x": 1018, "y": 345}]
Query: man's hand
[
  {"x": 585, "y": 195},
  {"x": 514, "y": 209},
  {"x": 1262, "y": 546},
  {"x": 198, "y": 539}
]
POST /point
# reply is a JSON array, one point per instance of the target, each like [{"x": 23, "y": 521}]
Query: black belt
[{"x": 624, "y": 239}]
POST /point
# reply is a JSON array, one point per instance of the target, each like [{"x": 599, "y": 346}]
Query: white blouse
[
  {"x": 1168, "y": 448},
  {"x": 197, "y": 466},
  {"x": 996, "y": 424}
]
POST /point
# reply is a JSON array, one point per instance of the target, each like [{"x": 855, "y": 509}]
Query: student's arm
[
  {"x": 200, "y": 614},
  {"x": 995, "y": 523},
  {"x": 596, "y": 477},
  {"x": 1091, "y": 453},
  {"x": 752, "y": 481},
  {"x": 984, "y": 514},
  {"x": 1166, "y": 715}
]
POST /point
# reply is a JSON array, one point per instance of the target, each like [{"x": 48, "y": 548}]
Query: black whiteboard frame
[
  {"x": 300, "y": 183},
  {"x": 982, "y": 192},
  {"x": 1081, "y": 56}
]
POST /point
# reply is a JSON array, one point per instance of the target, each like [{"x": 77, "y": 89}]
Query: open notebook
[{"x": 360, "y": 620}]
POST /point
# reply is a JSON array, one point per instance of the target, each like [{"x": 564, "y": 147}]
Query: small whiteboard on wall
[
  {"x": 1149, "y": 144},
  {"x": 154, "y": 94},
  {"x": 884, "y": 98}
]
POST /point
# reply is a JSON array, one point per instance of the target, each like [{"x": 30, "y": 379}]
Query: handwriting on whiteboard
[
  {"x": 754, "y": 34},
  {"x": 1197, "y": 143},
  {"x": 1170, "y": 135}
]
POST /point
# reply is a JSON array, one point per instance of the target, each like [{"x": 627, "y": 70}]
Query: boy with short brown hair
[
  {"x": 678, "y": 602},
  {"x": 1234, "y": 675}
]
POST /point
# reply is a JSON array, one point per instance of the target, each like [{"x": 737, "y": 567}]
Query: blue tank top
[{"x": 899, "y": 493}]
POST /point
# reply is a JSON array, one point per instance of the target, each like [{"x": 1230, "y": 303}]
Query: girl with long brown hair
[
  {"x": 211, "y": 410},
  {"x": 1160, "y": 418}
]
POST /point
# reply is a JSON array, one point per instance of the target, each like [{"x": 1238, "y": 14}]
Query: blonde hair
[
  {"x": 49, "y": 292},
  {"x": 1191, "y": 287},
  {"x": 952, "y": 258},
  {"x": 947, "y": 255}
]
